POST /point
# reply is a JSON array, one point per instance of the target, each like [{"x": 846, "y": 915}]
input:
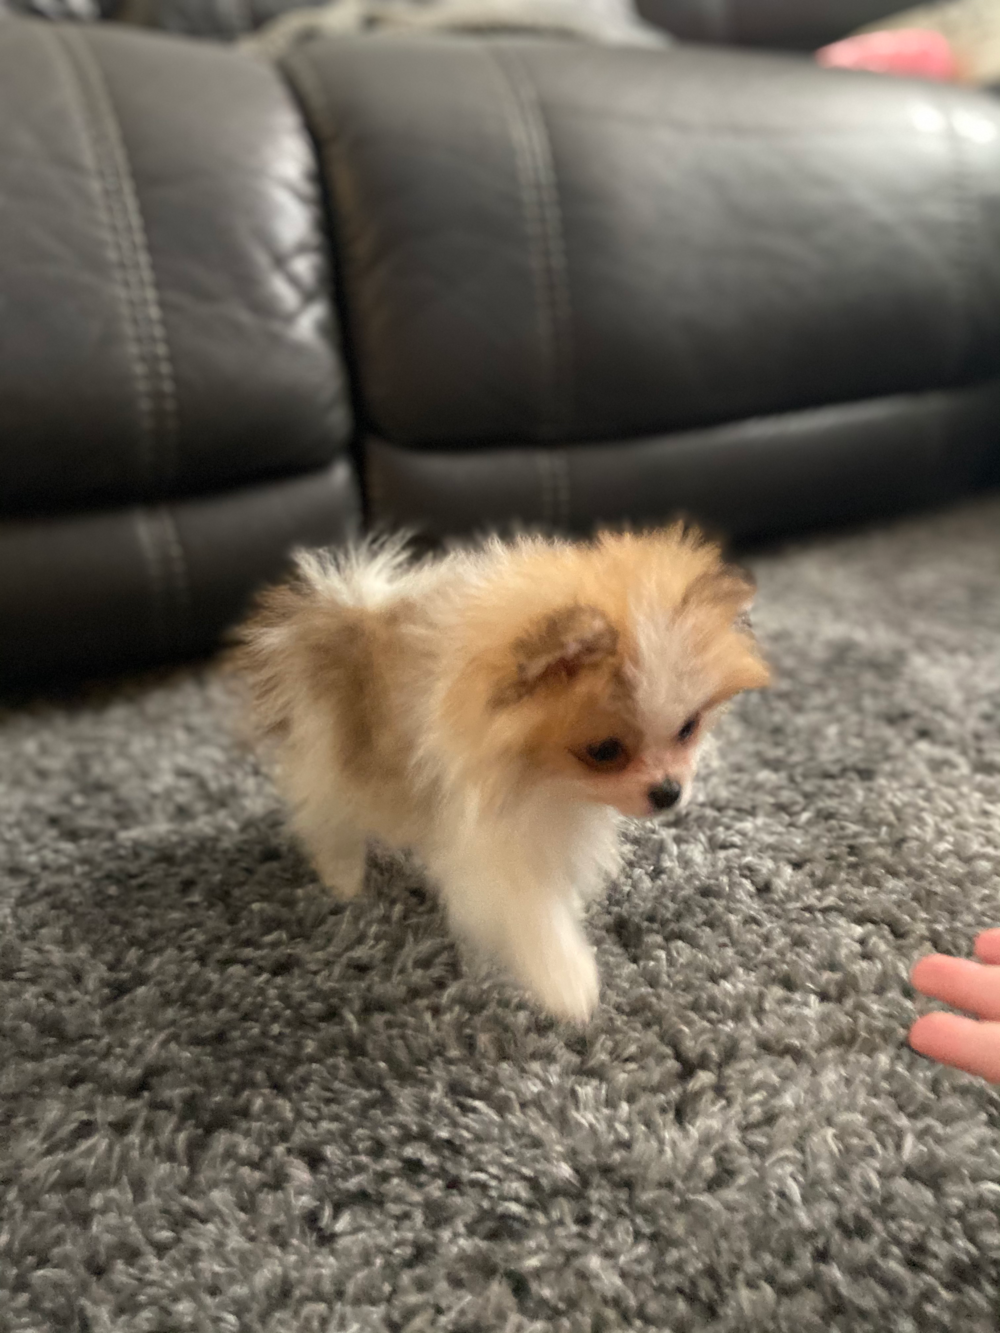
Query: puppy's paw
[
  {"x": 561, "y": 974},
  {"x": 344, "y": 876}
]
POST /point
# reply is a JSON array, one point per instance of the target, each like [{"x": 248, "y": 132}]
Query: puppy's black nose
[{"x": 668, "y": 793}]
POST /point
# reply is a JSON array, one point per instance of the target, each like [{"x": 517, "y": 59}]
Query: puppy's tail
[{"x": 364, "y": 574}]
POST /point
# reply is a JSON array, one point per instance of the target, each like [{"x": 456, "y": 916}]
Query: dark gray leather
[
  {"x": 173, "y": 406},
  {"x": 788, "y": 24},
  {"x": 776, "y": 23},
  {"x": 541, "y": 242},
  {"x": 747, "y": 480},
  {"x": 110, "y": 590},
  {"x": 165, "y": 305},
  {"x": 223, "y": 19}
]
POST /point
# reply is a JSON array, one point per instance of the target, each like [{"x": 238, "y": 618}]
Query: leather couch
[
  {"x": 784, "y": 24},
  {"x": 455, "y": 283}
]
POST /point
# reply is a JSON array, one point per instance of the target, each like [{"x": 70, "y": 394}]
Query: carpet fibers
[{"x": 228, "y": 1103}]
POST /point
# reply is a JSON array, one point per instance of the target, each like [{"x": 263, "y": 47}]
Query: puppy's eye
[
  {"x": 610, "y": 751},
  {"x": 689, "y": 728}
]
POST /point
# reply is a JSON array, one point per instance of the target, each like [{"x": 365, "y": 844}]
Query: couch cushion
[
  {"x": 747, "y": 479},
  {"x": 546, "y": 242},
  {"x": 111, "y": 590},
  {"x": 165, "y": 317}
]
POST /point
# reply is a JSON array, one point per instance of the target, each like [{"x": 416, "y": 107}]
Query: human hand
[{"x": 964, "y": 1043}]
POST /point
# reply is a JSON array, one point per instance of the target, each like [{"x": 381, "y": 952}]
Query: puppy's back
[{"x": 326, "y": 649}]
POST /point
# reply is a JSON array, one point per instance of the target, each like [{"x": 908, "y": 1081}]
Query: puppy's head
[{"x": 602, "y": 667}]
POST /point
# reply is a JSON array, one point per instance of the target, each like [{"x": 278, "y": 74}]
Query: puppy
[{"x": 497, "y": 711}]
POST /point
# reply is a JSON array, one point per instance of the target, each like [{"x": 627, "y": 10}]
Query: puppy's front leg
[
  {"x": 335, "y": 847},
  {"x": 534, "y": 933},
  {"x": 551, "y": 957}
]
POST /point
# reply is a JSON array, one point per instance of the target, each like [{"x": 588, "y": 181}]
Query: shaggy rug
[{"x": 229, "y": 1103}]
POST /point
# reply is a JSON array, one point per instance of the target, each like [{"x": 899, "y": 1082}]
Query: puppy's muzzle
[{"x": 665, "y": 794}]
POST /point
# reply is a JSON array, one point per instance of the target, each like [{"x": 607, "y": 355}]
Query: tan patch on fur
[
  {"x": 353, "y": 656},
  {"x": 264, "y": 656},
  {"x": 564, "y": 643},
  {"x": 301, "y": 650}
]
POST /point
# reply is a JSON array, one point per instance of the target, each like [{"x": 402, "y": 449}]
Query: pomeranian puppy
[{"x": 496, "y": 711}]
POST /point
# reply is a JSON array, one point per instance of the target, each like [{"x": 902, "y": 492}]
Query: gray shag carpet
[{"x": 229, "y": 1103}]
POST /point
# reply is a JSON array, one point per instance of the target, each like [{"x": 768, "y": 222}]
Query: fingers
[
  {"x": 960, "y": 1042},
  {"x": 987, "y": 946},
  {"x": 959, "y": 982}
]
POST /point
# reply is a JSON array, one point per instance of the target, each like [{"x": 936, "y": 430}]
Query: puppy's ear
[
  {"x": 555, "y": 650},
  {"x": 720, "y": 600},
  {"x": 728, "y": 590}
]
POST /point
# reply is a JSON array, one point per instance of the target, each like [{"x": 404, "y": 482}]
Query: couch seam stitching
[
  {"x": 543, "y": 220},
  {"x": 151, "y": 555},
  {"x": 120, "y": 188},
  {"x": 115, "y": 247},
  {"x": 177, "y": 564}
]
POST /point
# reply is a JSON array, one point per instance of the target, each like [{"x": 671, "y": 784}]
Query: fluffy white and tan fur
[{"x": 497, "y": 711}]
